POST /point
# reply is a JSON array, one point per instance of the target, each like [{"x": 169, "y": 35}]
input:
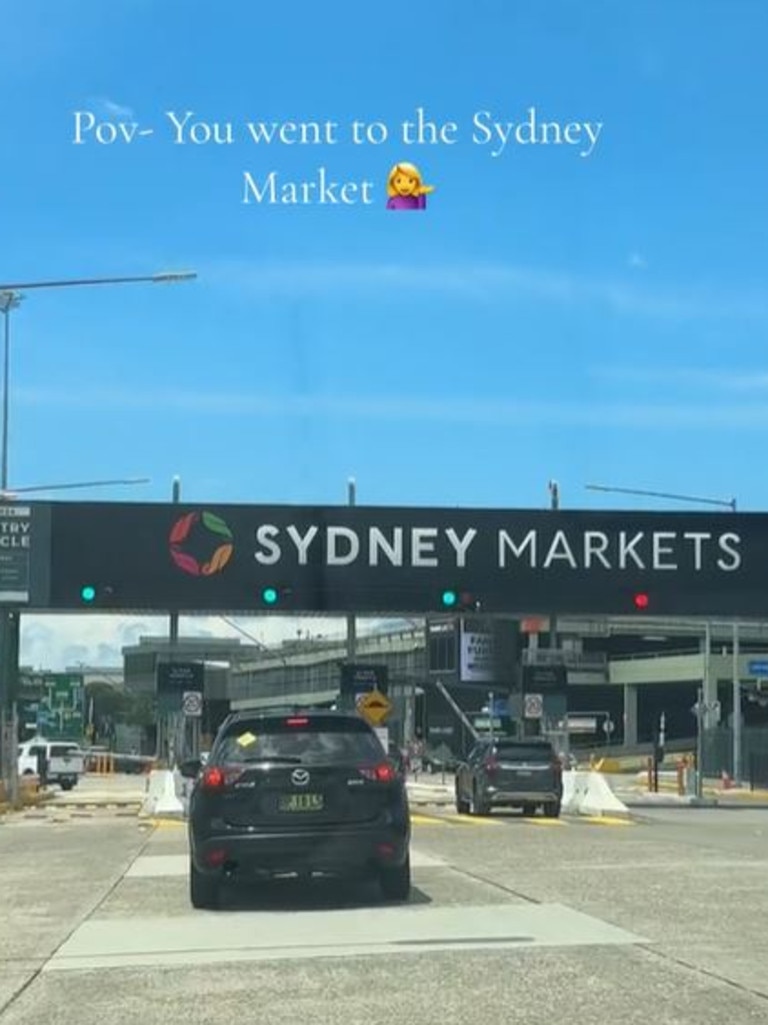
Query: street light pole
[
  {"x": 554, "y": 504},
  {"x": 9, "y": 617},
  {"x": 729, "y": 503},
  {"x": 737, "y": 723},
  {"x": 9, "y": 300},
  {"x": 702, "y": 715},
  {"x": 351, "y": 621}
]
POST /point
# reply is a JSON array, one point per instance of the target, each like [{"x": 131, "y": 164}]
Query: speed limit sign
[{"x": 192, "y": 703}]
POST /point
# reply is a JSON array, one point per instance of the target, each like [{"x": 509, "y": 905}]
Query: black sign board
[
  {"x": 360, "y": 679},
  {"x": 173, "y": 678},
  {"x": 552, "y": 679},
  {"x": 378, "y": 560}
]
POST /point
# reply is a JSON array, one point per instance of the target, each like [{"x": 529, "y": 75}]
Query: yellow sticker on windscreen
[{"x": 246, "y": 739}]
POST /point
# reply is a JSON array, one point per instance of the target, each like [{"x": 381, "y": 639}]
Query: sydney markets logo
[{"x": 209, "y": 532}]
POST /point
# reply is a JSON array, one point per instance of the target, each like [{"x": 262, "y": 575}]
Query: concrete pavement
[{"x": 511, "y": 920}]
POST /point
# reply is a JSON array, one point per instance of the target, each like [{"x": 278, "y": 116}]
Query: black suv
[
  {"x": 509, "y": 773},
  {"x": 297, "y": 793}
]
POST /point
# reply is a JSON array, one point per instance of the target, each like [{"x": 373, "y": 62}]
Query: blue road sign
[{"x": 759, "y": 667}]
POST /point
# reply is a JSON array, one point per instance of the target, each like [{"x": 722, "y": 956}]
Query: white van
[{"x": 66, "y": 762}]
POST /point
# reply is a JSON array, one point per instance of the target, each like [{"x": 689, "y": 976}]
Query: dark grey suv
[
  {"x": 508, "y": 773},
  {"x": 304, "y": 793}
]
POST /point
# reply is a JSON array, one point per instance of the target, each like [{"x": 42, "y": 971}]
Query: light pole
[
  {"x": 736, "y": 676},
  {"x": 10, "y": 298},
  {"x": 8, "y": 301},
  {"x": 351, "y": 621},
  {"x": 729, "y": 503}
]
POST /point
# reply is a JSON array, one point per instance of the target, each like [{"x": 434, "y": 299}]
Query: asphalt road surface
[{"x": 663, "y": 920}]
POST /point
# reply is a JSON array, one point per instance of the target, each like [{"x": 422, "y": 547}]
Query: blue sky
[{"x": 590, "y": 319}]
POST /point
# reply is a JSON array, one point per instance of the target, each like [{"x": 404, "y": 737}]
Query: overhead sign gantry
[{"x": 374, "y": 560}]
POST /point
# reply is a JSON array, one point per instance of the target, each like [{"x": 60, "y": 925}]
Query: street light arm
[
  {"x": 164, "y": 278},
  {"x": 78, "y": 484},
  {"x": 729, "y": 503}
]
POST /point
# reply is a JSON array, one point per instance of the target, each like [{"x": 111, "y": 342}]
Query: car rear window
[
  {"x": 62, "y": 750},
  {"x": 309, "y": 740},
  {"x": 525, "y": 752}
]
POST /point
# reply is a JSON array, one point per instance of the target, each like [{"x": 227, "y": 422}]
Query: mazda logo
[{"x": 300, "y": 777}]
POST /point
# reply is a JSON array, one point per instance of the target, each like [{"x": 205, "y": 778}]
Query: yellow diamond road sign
[{"x": 374, "y": 707}]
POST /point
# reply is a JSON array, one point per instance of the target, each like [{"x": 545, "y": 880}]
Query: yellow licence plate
[{"x": 301, "y": 802}]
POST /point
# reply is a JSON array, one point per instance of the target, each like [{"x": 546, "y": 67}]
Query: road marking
[
  {"x": 544, "y": 822},
  {"x": 206, "y": 938},
  {"x": 472, "y": 820},
  {"x": 605, "y": 820}
]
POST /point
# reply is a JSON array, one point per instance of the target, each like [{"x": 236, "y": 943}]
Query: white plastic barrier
[
  {"x": 161, "y": 799},
  {"x": 588, "y": 793}
]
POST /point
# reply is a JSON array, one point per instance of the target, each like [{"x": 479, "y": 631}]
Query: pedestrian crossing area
[
  {"x": 505, "y": 821},
  {"x": 432, "y": 818}
]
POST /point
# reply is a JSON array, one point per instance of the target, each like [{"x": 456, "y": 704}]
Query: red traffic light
[{"x": 641, "y": 601}]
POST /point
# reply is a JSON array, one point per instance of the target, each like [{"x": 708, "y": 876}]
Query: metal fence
[{"x": 717, "y": 754}]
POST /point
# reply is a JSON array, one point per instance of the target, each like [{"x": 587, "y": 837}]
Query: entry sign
[
  {"x": 192, "y": 703},
  {"x": 374, "y": 707}
]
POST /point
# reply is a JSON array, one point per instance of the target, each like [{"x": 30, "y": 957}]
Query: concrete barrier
[
  {"x": 588, "y": 793},
  {"x": 161, "y": 799},
  {"x": 599, "y": 799}
]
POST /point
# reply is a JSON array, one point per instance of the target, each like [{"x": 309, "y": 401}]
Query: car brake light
[
  {"x": 384, "y": 773},
  {"x": 297, "y": 721},
  {"x": 214, "y": 777},
  {"x": 490, "y": 765}
]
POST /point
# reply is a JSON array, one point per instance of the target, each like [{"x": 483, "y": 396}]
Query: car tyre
[
  {"x": 204, "y": 890},
  {"x": 462, "y": 805},
  {"x": 395, "y": 882},
  {"x": 552, "y": 810},
  {"x": 479, "y": 805}
]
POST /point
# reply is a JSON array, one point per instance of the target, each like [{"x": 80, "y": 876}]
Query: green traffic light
[
  {"x": 449, "y": 599},
  {"x": 269, "y": 596},
  {"x": 88, "y": 593}
]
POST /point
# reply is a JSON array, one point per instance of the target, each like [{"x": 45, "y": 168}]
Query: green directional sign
[{"x": 60, "y": 713}]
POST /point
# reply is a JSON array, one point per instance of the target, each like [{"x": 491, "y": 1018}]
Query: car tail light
[
  {"x": 491, "y": 764},
  {"x": 216, "y": 778},
  {"x": 383, "y": 773},
  {"x": 297, "y": 721},
  {"x": 557, "y": 764},
  {"x": 216, "y": 857}
]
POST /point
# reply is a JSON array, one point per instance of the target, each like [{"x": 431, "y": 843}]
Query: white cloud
[
  {"x": 113, "y": 109},
  {"x": 58, "y": 641},
  {"x": 378, "y": 408},
  {"x": 694, "y": 377},
  {"x": 479, "y": 282}
]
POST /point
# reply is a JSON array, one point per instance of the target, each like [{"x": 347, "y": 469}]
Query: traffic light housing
[
  {"x": 95, "y": 595},
  {"x": 273, "y": 597},
  {"x": 457, "y": 599}
]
